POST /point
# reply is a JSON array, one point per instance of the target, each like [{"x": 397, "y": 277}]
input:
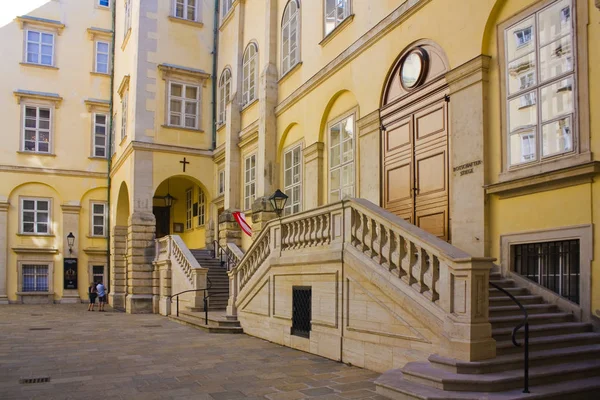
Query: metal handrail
[
  {"x": 524, "y": 323},
  {"x": 219, "y": 250},
  {"x": 189, "y": 291}
]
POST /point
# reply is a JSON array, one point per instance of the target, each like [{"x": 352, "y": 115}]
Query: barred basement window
[
  {"x": 301, "y": 310},
  {"x": 554, "y": 265},
  {"x": 35, "y": 278}
]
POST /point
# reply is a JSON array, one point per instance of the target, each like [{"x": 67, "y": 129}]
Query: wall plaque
[{"x": 70, "y": 274}]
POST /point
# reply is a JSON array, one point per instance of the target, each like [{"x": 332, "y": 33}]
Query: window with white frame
[
  {"x": 221, "y": 181},
  {"x": 341, "y": 159},
  {"x": 290, "y": 36},
  {"x": 249, "y": 181},
  {"x": 104, "y": 3},
  {"x": 188, "y": 209},
  {"x": 540, "y": 76},
  {"x": 98, "y": 219},
  {"x": 98, "y": 274},
  {"x": 40, "y": 48},
  {"x": 127, "y": 16},
  {"x": 100, "y": 137},
  {"x": 201, "y": 207},
  {"x": 102, "y": 57},
  {"x": 35, "y": 278},
  {"x": 186, "y": 9},
  {"x": 184, "y": 103},
  {"x": 336, "y": 11},
  {"x": 113, "y": 132},
  {"x": 124, "y": 100},
  {"x": 292, "y": 180},
  {"x": 35, "y": 216},
  {"x": 37, "y": 129},
  {"x": 224, "y": 92},
  {"x": 250, "y": 70},
  {"x": 227, "y": 4}
]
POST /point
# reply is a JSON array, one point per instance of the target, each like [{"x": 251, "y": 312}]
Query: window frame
[
  {"x": 336, "y": 121},
  {"x": 189, "y": 215},
  {"x": 347, "y": 14},
  {"x": 104, "y": 215},
  {"x": 41, "y": 32},
  {"x": 127, "y": 19},
  {"x": 124, "y": 112},
  {"x": 289, "y": 205},
  {"x": 250, "y": 94},
  {"x": 201, "y": 221},
  {"x": 35, "y": 223},
  {"x": 37, "y": 106},
  {"x": 95, "y": 134},
  {"x": 35, "y": 275},
  {"x": 225, "y": 10},
  {"x": 184, "y": 101},
  {"x": 103, "y": 6},
  {"x": 221, "y": 188},
  {"x": 185, "y": 7},
  {"x": 284, "y": 23},
  {"x": 224, "y": 94},
  {"x": 580, "y": 153},
  {"x": 249, "y": 185},
  {"x": 108, "y": 54}
]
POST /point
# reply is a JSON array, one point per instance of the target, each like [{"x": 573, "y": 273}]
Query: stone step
[
  {"x": 503, "y": 283},
  {"x": 425, "y": 373},
  {"x": 392, "y": 385},
  {"x": 562, "y": 328},
  {"x": 507, "y": 301},
  {"x": 549, "y": 342},
  {"x": 214, "y": 319},
  {"x": 208, "y": 328},
  {"x": 494, "y": 276},
  {"x": 515, "y": 361},
  {"x": 532, "y": 309},
  {"x": 537, "y": 319},
  {"x": 515, "y": 291}
]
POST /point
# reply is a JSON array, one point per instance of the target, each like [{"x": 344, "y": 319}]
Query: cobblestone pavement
[{"x": 114, "y": 355}]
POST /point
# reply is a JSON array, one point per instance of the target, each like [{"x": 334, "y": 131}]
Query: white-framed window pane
[
  {"x": 557, "y": 99},
  {"x": 100, "y": 137},
  {"x": 557, "y": 137},
  {"x": 188, "y": 209},
  {"x": 40, "y": 47},
  {"x": 201, "y": 207},
  {"x": 99, "y": 219},
  {"x": 124, "y": 115},
  {"x": 249, "y": 181},
  {"x": 102, "y": 57},
  {"x": 35, "y": 278},
  {"x": 183, "y": 105},
  {"x": 341, "y": 164},
  {"x": 336, "y": 11},
  {"x": 292, "y": 181},
  {"x": 221, "y": 182},
  {"x": 179, "y": 8},
  {"x": 522, "y": 111},
  {"x": 289, "y": 37},
  {"x": 224, "y": 92},
  {"x": 522, "y": 73},
  {"x": 36, "y": 129},
  {"x": 554, "y": 21},
  {"x": 556, "y": 58},
  {"x": 98, "y": 273},
  {"x": 35, "y": 216},
  {"x": 522, "y": 147},
  {"x": 226, "y": 7}
]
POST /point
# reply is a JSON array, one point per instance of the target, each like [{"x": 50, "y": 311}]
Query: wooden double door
[{"x": 415, "y": 165}]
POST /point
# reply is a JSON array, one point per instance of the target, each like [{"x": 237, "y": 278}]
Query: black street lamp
[
  {"x": 70, "y": 241},
  {"x": 168, "y": 200},
  {"x": 278, "y": 200}
]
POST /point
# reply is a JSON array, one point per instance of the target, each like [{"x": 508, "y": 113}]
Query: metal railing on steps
[
  {"x": 225, "y": 255},
  {"x": 524, "y": 323}
]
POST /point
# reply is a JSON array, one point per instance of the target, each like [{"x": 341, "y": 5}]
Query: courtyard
[{"x": 115, "y": 355}]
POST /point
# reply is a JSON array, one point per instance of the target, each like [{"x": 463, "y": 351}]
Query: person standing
[
  {"x": 92, "y": 294},
  {"x": 101, "y": 296}
]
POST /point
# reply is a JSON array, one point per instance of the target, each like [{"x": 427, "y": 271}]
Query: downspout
[
  {"x": 214, "y": 74},
  {"x": 110, "y": 144}
]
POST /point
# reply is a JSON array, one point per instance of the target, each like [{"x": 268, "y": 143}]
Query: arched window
[
  {"x": 224, "y": 92},
  {"x": 290, "y": 36},
  {"x": 249, "y": 74}
]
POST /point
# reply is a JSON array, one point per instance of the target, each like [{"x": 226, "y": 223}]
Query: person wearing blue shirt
[{"x": 101, "y": 295}]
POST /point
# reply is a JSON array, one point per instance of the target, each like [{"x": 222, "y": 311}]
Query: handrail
[
  {"x": 524, "y": 323},
  {"x": 230, "y": 259},
  {"x": 208, "y": 287}
]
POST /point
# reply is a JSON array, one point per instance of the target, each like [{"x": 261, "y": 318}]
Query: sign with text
[
  {"x": 467, "y": 168},
  {"x": 70, "y": 275}
]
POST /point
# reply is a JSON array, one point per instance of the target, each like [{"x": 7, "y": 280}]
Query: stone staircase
[
  {"x": 219, "y": 290},
  {"x": 564, "y": 358},
  {"x": 217, "y": 321}
]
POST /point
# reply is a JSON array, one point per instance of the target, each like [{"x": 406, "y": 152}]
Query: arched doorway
[{"x": 414, "y": 139}]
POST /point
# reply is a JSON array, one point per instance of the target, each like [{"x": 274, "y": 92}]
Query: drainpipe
[
  {"x": 214, "y": 74},
  {"x": 110, "y": 144}
]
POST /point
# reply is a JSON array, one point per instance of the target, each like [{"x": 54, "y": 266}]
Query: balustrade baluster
[
  {"x": 367, "y": 235},
  {"x": 419, "y": 269},
  {"x": 384, "y": 241}
]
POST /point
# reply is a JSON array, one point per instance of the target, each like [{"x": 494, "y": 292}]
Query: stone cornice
[
  {"x": 95, "y": 251},
  {"x": 34, "y": 250},
  {"x": 369, "y": 123},
  {"x": 170, "y": 71},
  {"x": 469, "y": 73},
  {"x": 219, "y": 154},
  {"x": 70, "y": 208},
  {"x": 313, "y": 151},
  {"x": 123, "y": 85},
  {"x": 93, "y": 104},
  {"x": 51, "y": 171},
  {"x": 248, "y": 138},
  {"x": 25, "y": 20},
  {"x": 93, "y": 33},
  {"x": 53, "y": 98},
  {"x": 4, "y": 206}
]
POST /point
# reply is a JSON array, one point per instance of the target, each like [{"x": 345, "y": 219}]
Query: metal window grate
[
  {"x": 554, "y": 265},
  {"x": 40, "y": 329},
  {"x": 42, "y": 379},
  {"x": 301, "y": 310}
]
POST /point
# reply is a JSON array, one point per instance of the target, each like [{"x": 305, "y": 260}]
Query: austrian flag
[{"x": 241, "y": 220}]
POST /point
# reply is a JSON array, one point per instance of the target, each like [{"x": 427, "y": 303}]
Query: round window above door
[{"x": 414, "y": 69}]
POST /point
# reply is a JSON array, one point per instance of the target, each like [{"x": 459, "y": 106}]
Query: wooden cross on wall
[{"x": 184, "y": 162}]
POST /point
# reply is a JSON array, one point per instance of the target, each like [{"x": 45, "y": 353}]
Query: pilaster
[
  {"x": 70, "y": 223},
  {"x": 140, "y": 254},
  {"x": 118, "y": 272},
  {"x": 369, "y": 154},
  {"x": 468, "y": 86},
  {"x": 313, "y": 175},
  {"x": 229, "y": 230},
  {"x": 4, "y": 205}
]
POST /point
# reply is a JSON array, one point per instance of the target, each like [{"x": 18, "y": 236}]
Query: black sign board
[{"x": 70, "y": 273}]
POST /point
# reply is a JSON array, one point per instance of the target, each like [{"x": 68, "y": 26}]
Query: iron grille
[
  {"x": 42, "y": 379},
  {"x": 554, "y": 265},
  {"x": 301, "y": 310}
]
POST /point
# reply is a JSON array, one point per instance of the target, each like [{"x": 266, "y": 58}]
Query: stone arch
[
  {"x": 122, "y": 209},
  {"x": 284, "y": 136},
  {"x": 22, "y": 185},
  {"x": 489, "y": 31},
  {"x": 329, "y": 110}
]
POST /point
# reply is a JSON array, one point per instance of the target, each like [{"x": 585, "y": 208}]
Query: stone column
[
  {"x": 4, "y": 205},
  {"x": 313, "y": 175},
  {"x": 140, "y": 254},
  {"x": 118, "y": 270},
  {"x": 369, "y": 151},
  {"x": 229, "y": 230},
  {"x": 70, "y": 211},
  {"x": 468, "y": 85}
]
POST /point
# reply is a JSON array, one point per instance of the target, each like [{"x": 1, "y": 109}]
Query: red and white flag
[{"x": 241, "y": 220}]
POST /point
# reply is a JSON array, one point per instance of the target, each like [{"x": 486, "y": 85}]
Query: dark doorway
[
  {"x": 163, "y": 221},
  {"x": 301, "y": 310}
]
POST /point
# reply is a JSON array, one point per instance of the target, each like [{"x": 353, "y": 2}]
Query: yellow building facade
[{"x": 472, "y": 121}]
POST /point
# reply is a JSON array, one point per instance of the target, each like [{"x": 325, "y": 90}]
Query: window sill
[
  {"x": 102, "y": 74},
  {"x": 184, "y": 21},
  {"x": 126, "y": 39},
  {"x": 250, "y": 104},
  {"x": 35, "y": 293},
  {"x": 96, "y": 237},
  {"x": 123, "y": 141},
  {"x": 221, "y": 125},
  {"x": 329, "y": 37},
  {"x": 180, "y": 128},
  {"x": 97, "y": 158},
  {"x": 290, "y": 72},
  {"x": 35, "y": 234},
  {"x": 26, "y": 64},
  {"x": 98, "y": 6},
  {"x": 35, "y": 153}
]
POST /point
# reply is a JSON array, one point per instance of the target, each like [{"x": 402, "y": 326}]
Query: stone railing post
[
  {"x": 464, "y": 297},
  {"x": 233, "y": 292},
  {"x": 199, "y": 277}
]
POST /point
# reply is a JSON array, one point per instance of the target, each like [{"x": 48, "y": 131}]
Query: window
[
  {"x": 540, "y": 78},
  {"x": 221, "y": 181},
  {"x": 99, "y": 219},
  {"x": 104, "y": 3},
  {"x": 100, "y": 130},
  {"x": 183, "y": 105},
  {"x": 290, "y": 26},
  {"x": 301, "y": 311},
  {"x": 37, "y": 123},
  {"x": 102, "y": 57},
  {"x": 112, "y": 134},
  {"x": 124, "y": 115},
  {"x": 249, "y": 74},
  {"x": 98, "y": 274},
  {"x": 336, "y": 11},
  {"x": 188, "y": 209},
  {"x": 35, "y": 278},
  {"x": 127, "y": 17},
  {"x": 341, "y": 159},
  {"x": 35, "y": 216},
  {"x": 227, "y": 4},
  {"x": 40, "y": 48},
  {"x": 201, "y": 207},
  {"x": 224, "y": 92},
  {"x": 292, "y": 180},
  {"x": 186, "y": 9},
  {"x": 249, "y": 181}
]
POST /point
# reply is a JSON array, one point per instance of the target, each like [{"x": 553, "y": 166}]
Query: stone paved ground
[{"x": 114, "y": 355}]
